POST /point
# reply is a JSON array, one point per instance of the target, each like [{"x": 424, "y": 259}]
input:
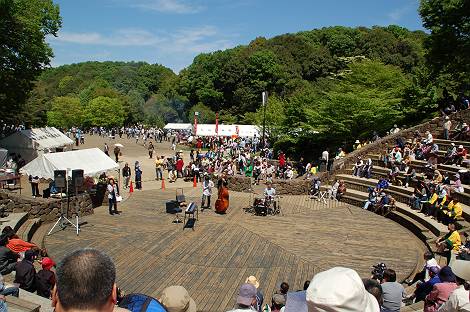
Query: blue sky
[{"x": 173, "y": 32}]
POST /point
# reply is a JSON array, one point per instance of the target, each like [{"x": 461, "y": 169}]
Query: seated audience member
[
  {"x": 8, "y": 290},
  {"x": 339, "y": 289},
  {"x": 85, "y": 282},
  {"x": 333, "y": 191},
  {"x": 374, "y": 288},
  {"x": 8, "y": 258},
  {"x": 393, "y": 292},
  {"x": 45, "y": 278},
  {"x": 372, "y": 199},
  {"x": 259, "y": 295},
  {"x": 449, "y": 242},
  {"x": 440, "y": 291},
  {"x": 424, "y": 276},
  {"x": 382, "y": 184},
  {"x": 424, "y": 289},
  {"x": 341, "y": 190},
  {"x": 246, "y": 300},
  {"x": 26, "y": 273},
  {"x": 177, "y": 299},
  {"x": 460, "y": 156},
  {"x": 457, "y": 184},
  {"x": 279, "y": 301},
  {"x": 459, "y": 298},
  {"x": 15, "y": 243},
  {"x": 367, "y": 169},
  {"x": 357, "y": 170},
  {"x": 452, "y": 212}
]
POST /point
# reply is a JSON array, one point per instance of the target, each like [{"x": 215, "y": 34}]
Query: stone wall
[
  {"x": 238, "y": 183},
  {"x": 45, "y": 209},
  {"x": 291, "y": 187}
]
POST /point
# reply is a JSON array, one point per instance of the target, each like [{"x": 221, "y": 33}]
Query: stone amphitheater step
[
  {"x": 15, "y": 220},
  {"x": 415, "y": 307},
  {"x": 27, "y": 229},
  {"x": 400, "y": 193},
  {"x": 424, "y": 227},
  {"x": 43, "y": 303},
  {"x": 447, "y": 143},
  {"x": 20, "y": 305},
  {"x": 40, "y": 234}
]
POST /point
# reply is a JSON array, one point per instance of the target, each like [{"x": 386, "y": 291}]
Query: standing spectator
[
  {"x": 126, "y": 174},
  {"x": 45, "y": 278},
  {"x": 246, "y": 299},
  {"x": 159, "y": 162},
  {"x": 117, "y": 152},
  {"x": 138, "y": 175},
  {"x": 85, "y": 282},
  {"x": 325, "y": 156},
  {"x": 25, "y": 272},
  {"x": 447, "y": 126},
  {"x": 106, "y": 149},
  {"x": 179, "y": 167},
  {"x": 151, "y": 148},
  {"x": 34, "y": 180},
  {"x": 393, "y": 292},
  {"x": 112, "y": 195}
]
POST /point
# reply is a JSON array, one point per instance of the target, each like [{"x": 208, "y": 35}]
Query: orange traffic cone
[
  {"x": 131, "y": 188},
  {"x": 194, "y": 182},
  {"x": 163, "y": 184}
]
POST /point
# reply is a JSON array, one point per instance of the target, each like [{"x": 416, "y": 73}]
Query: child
[{"x": 45, "y": 278}]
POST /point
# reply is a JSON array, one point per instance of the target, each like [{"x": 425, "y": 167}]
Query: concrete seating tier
[
  {"x": 360, "y": 186},
  {"x": 357, "y": 198}
]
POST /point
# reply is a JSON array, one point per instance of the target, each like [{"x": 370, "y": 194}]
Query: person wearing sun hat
[
  {"x": 246, "y": 299},
  {"x": 339, "y": 290},
  {"x": 177, "y": 299},
  {"x": 45, "y": 278},
  {"x": 459, "y": 298},
  {"x": 259, "y": 295}
]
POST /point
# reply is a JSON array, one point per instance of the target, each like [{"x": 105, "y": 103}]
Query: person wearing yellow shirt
[
  {"x": 449, "y": 242},
  {"x": 159, "y": 167},
  {"x": 452, "y": 212}
]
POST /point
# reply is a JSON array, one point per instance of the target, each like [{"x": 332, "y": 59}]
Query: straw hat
[
  {"x": 253, "y": 281},
  {"x": 177, "y": 299}
]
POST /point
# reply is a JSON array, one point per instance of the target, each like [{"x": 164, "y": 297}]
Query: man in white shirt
[
  {"x": 447, "y": 125},
  {"x": 207, "y": 186},
  {"x": 324, "y": 159}
]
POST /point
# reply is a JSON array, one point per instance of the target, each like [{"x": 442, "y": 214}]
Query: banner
[{"x": 217, "y": 123}]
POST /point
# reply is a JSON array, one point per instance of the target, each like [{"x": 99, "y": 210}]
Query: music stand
[{"x": 62, "y": 221}]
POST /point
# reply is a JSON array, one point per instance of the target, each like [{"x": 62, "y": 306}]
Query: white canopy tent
[
  {"x": 228, "y": 130},
  {"x": 34, "y": 142},
  {"x": 92, "y": 161},
  {"x": 178, "y": 126}
]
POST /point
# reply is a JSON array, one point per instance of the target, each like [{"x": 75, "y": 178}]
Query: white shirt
[
  {"x": 270, "y": 192},
  {"x": 325, "y": 155},
  {"x": 110, "y": 191},
  {"x": 207, "y": 188},
  {"x": 457, "y": 300}
]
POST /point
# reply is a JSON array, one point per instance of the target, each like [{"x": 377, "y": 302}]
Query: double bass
[{"x": 222, "y": 202}]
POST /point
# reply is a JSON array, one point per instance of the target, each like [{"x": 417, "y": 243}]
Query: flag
[
  {"x": 217, "y": 123},
  {"x": 195, "y": 124}
]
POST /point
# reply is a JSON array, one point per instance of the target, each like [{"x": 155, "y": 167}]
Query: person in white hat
[
  {"x": 339, "y": 290},
  {"x": 459, "y": 298},
  {"x": 447, "y": 126}
]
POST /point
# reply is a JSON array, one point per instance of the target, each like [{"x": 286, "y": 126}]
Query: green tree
[
  {"x": 24, "y": 53},
  {"x": 65, "y": 112},
  {"x": 104, "y": 111},
  {"x": 206, "y": 115}
]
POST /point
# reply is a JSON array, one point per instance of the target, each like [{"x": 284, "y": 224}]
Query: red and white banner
[{"x": 217, "y": 123}]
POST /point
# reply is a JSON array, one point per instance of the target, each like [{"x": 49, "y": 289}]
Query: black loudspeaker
[
  {"x": 172, "y": 206},
  {"x": 77, "y": 177},
  {"x": 60, "y": 178}
]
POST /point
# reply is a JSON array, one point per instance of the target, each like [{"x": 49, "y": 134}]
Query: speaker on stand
[{"x": 77, "y": 180}]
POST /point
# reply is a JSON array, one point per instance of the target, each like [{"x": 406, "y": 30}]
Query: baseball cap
[
  {"x": 339, "y": 290},
  {"x": 177, "y": 299},
  {"x": 47, "y": 263},
  {"x": 246, "y": 294}
]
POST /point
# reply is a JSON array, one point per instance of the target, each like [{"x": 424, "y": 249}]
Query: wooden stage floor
[{"x": 211, "y": 262}]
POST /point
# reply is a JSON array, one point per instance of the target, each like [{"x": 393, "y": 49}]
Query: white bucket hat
[{"x": 339, "y": 290}]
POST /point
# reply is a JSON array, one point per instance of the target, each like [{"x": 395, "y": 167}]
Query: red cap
[{"x": 47, "y": 263}]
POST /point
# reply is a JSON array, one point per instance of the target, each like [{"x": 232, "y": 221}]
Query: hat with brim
[
  {"x": 461, "y": 268},
  {"x": 460, "y": 146},
  {"x": 253, "y": 280},
  {"x": 340, "y": 289},
  {"x": 246, "y": 294},
  {"x": 357, "y": 142},
  {"x": 177, "y": 299},
  {"x": 279, "y": 299}
]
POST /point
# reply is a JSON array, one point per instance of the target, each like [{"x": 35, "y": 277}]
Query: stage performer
[
  {"x": 222, "y": 202},
  {"x": 269, "y": 195},
  {"x": 207, "y": 186}
]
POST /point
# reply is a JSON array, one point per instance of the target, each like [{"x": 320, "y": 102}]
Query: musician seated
[{"x": 270, "y": 194}]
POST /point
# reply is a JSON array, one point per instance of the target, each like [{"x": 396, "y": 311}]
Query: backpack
[{"x": 141, "y": 303}]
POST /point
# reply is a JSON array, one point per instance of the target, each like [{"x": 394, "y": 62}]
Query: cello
[{"x": 222, "y": 202}]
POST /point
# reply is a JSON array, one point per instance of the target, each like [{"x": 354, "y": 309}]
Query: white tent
[
  {"x": 33, "y": 142},
  {"x": 178, "y": 126},
  {"x": 227, "y": 130},
  {"x": 92, "y": 161}
]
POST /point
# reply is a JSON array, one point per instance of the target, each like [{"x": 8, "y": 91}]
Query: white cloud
[
  {"x": 123, "y": 37},
  {"x": 397, "y": 14},
  {"x": 167, "y": 6}
]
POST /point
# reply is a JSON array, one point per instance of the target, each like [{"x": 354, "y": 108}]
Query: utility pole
[{"x": 265, "y": 102}]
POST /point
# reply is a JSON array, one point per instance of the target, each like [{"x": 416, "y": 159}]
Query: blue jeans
[{"x": 14, "y": 291}]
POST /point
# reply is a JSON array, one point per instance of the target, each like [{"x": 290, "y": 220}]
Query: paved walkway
[{"x": 152, "y": 253}]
